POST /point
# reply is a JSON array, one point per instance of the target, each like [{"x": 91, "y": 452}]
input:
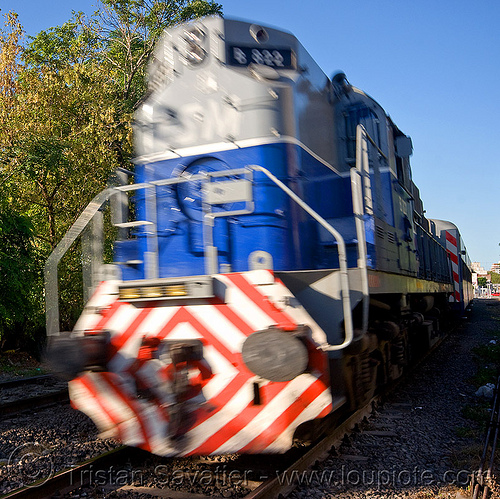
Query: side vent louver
[{"x": 391, "y": 237}]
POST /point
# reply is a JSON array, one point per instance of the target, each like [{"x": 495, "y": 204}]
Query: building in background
[
  {"x": 495, "y": 268},
  {"x": 477, "y": 272},
  {"x": 476, "y": 267},
  {"x": 492, "y": 288}
]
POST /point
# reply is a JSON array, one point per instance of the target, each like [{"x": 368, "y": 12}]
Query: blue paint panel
[{"x": 277, "y": 225}]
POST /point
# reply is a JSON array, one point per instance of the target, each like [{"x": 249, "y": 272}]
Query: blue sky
[{"x": 434, "y": 65}]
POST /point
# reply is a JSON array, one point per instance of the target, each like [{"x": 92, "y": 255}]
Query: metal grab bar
[
  {"x": 362, "y": 203},
  {"x": 344, "y": 278},
  {"x": 50, "y": 270},
  {"x": 51, "y": 274}
]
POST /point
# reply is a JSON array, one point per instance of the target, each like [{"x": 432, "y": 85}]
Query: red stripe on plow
[
  {"x": 108, "y": 313},
  {"x": 234, "y": 318},
  {"x": 282, "y": 320},
  {"x": 90, "y": 387},
  {"x": 216, "y": 404},
  {"x": 134, "y": 407},
  {"x": 184, "y": 316},
  {"x": 281, "y": 423},
  {"x": 118, "y": 341},
  {"x": 237, "y": 423}
]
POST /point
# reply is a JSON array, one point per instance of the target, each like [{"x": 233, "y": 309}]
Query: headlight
[
  {"x": 275, "y": 355},
  {"x": 259, "y": 34},
  {"x": 152, "y": 292},
  {"x": 129, "y": 293}
]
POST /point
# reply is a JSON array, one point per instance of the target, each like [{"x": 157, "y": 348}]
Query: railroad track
[
  {"x": 38, "y": 402},
  {"x": 283, "y": 483},
  {"x": 103, "y": 472},
  {"x": 70, "y": 479},
  {"x": 482, "y": 479},
  {"x": 278, "y": 478},
  {"x": 21, "y": 402},
  {"x": 13, "y": 383}
]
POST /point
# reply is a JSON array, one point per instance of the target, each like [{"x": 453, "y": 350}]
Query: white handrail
[
  {"x": 50, "y": 271},
  {"x": 361, "y": 204},
  {"x": 51, "y": 277},
  {"x": 344, "y": 278}
]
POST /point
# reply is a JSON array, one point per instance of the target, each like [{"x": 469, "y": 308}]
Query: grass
[
  {"x": 478, "y": 411},
  {"x": 487, "y": 358},
  {"x": 468, "y": 457},
  {"x": 466, "y": 432},
  {"x": 14, "y": 364}
]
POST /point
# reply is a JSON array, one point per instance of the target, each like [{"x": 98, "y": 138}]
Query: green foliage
[
  {"x": 482, "y": 281},
  {"x": 66, "y": 104},
  {"x": 495, "y": 278},
  {"x": 18, "y": 299},
  {"x": 199, "y": 8},
  {"x": 466, "y": 432},
  {"x": 62, "y": 46},
  {"x": 128, "y": 31},
  {"x": 479, "y": 412},
  {"x": 487, "y": 358}
]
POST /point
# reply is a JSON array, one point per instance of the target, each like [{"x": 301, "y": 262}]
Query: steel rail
[
  {"x": 479, "y": 483},
  {"x": 12, "y": 383},
  {"x": 72, "y": 478},
  {"x": 281, "y": 486},
  {"x": 38, "y": 402}
]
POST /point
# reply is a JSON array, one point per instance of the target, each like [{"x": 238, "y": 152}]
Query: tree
[
  {"x": 66, "y": 106},
  {"x": 17, "y": 254},
  {"x": 11, "y": 36},
  {"x": 18, "y": 302},
  {"x": 61, "y": 154},
  {"x": 54, "y": 139},
  {"x": 129, "y": 29},
  {"x": 73, "y": 108},
  {"x": 482, "y": 282}
]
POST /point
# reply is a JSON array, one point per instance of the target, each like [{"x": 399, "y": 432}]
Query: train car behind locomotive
[{"x": 273, "y": 262}]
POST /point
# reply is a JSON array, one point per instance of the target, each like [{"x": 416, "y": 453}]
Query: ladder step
[{"x": 138, "y": 223}]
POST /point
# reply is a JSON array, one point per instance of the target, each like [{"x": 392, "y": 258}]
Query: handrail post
[
  {"x": 50, "y": 271},
  {"x": 362, "y": 203},
  {"x": 344, "y": 278}
]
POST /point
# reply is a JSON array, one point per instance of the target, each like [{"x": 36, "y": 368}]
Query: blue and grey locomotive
[{"x": 274, "y": 262}]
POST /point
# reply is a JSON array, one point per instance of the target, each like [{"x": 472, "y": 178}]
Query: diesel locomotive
[{"x": 273, "y": 264}]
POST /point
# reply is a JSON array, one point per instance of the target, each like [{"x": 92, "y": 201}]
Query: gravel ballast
[{"x": 418, "y": 444}]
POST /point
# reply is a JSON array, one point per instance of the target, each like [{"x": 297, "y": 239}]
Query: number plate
[{"x": 272, "y": 57}]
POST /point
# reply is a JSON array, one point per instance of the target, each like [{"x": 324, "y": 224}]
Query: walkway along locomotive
[{"x": 273, "y": 262}]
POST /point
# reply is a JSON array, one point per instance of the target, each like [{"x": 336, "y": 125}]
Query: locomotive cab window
[{"x": 403, "y": 151}]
